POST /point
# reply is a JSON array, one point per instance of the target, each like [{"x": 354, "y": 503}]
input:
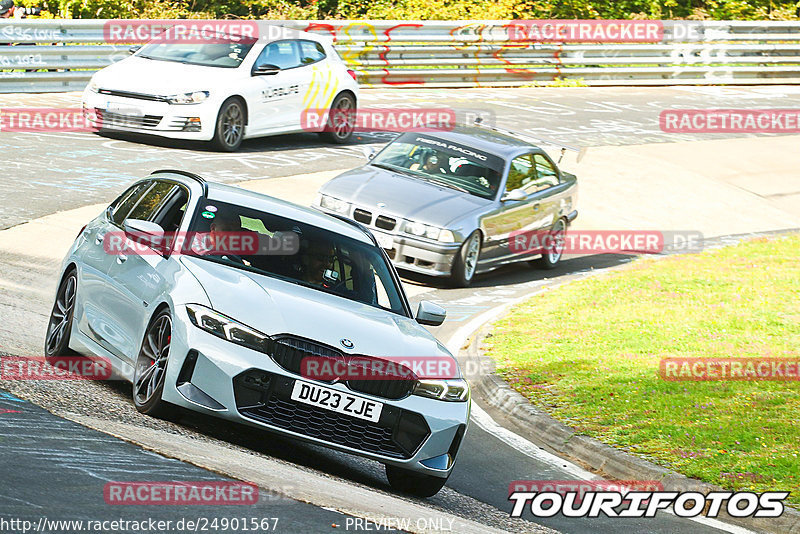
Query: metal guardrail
[{"x": 61, "y": 55}]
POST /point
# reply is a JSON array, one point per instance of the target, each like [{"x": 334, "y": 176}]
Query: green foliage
[{"x": 425, "y": 9}]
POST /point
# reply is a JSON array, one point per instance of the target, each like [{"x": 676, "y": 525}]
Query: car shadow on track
[
  {"x": 520, "y": 273},
  {"x": 275, "y": 143}
]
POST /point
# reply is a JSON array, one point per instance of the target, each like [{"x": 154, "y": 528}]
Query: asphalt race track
[{"x": 45, "y": 173}]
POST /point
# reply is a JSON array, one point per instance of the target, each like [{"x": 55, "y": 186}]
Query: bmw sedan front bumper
[{"x": 214, "y": 376}]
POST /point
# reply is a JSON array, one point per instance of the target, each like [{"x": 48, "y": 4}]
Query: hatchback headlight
[
  {"x": 226, "y": 328},
  {"x": 431, "y": 232},
  {"x": 334, "y": 204},
  {"x": 455, "y": 390},
  {"x": 188, "y": 98}
]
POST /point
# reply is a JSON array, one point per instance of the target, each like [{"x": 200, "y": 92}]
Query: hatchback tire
[
  {"x": 341, "y": 120},
  {"x": 229, "y": 128}
]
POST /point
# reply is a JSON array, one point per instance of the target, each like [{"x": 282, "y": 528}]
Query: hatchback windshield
[
  {"x": 312, "y": 257},
  {"x": 218, "y": 53},
  {"x": 441, "y": 162}
]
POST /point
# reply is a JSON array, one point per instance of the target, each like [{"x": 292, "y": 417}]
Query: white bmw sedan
[{"x": 227, "y": 90}]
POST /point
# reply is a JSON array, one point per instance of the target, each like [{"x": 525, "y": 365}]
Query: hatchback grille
[
  {"x": 288, "y": 352},
  {"x": 129, "y": 94},
  {"x": 118, "y": 119},
  {"x": 265, "y": 397}
]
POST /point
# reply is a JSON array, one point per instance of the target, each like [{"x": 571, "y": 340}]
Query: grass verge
[{"x": 588, "y": 353}]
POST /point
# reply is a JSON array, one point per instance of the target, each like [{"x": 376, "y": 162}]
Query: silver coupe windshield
[
  {"x": 312, "y": 257},
  {"x": 442, "y": 163}
]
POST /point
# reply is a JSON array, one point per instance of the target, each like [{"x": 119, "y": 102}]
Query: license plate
[
  {"x": 122, "y": 109},
  {"x": 336, "y": 401},
  {"x": 384, "y": 241}
]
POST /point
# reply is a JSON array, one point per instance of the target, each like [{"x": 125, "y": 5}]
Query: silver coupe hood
[
  {"x": 403, "y": 196},
  {"x": 274, "y": 306}
]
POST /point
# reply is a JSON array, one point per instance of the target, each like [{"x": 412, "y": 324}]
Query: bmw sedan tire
[
  {"x": 552, "y": 255},
  {"x": 466, "y": 261}
]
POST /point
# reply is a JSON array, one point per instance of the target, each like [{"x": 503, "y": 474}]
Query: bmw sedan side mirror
[
  {"x": 144, "y": 232},
  {"x": 266, "y": 70},
  {"x": 369, "y": 152},
  {"x": 515, "y": 195},
  {"x": 430, "y": 314}
]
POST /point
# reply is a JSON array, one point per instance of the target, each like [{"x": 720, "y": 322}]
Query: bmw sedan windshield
[
  {"x": 307, "y": 255},
  {"x": 226, "y": 54},
  {"x": 434, "y": 160}
]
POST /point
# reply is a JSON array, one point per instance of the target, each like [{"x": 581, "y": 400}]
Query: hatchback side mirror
[
  {"x": 430, "y": 314},
  {"x": 266, "y": 70},
  {"x": 515, "y": 195}
]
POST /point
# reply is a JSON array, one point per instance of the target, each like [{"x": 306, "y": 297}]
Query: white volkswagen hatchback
[{"x": 227, "y": 90}]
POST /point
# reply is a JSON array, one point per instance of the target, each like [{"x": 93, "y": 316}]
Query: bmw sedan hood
[
  {"x": 274, "y": 306},
  {"x": 154, "y": 77},
  {"x": 403, "y": 196}
]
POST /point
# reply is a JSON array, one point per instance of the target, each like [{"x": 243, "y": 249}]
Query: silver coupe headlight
[
  {"x": 455, "y": 390},
  {"x": 334, "y": 204},
  {"x": 430, "y": 232},
  {"x": 227, "y": 328}
]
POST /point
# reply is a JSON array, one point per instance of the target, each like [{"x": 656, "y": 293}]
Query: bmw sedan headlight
[
  {"x": 430, "y": 232},
  {"x": 188, "y": 98},
  {"x": 334, "y": 204},
  {"x": 455, "y": 390},
  {"x": 222, "y": 326}
]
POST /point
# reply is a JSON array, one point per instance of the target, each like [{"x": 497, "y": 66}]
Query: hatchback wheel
[
  {"x": 418, "y": 484},
  {"x": 151, "y": 368},
  {"x": 341, "y": 120},
  {"x": 58, "y": 329},
  {"x": 466, "y": 261},
  {"x": 229, "y": 130}
]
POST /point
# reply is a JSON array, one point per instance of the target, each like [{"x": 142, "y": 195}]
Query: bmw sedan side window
[
  {"x": 521, "y": 174},
  {"x": 151, "y": 200},
  {"x": 282, "y": 54},
  {"x": 119, "y": 210},
  {"x": 547, "y": 175}
]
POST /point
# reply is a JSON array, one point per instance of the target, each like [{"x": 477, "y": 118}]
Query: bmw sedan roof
[{"x": 486, "y": 140}]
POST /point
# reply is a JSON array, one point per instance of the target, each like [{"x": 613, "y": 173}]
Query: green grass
[{"x": 588, "y": 353}]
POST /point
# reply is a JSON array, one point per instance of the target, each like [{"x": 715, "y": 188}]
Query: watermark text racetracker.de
[
  {"x": 48, "y": 120},
  {"x": 56, "y": 368},
  {"x": 730, "y": 120},
  {"x": 729, "y": 369},
  {"x": 605, "y": 242}
]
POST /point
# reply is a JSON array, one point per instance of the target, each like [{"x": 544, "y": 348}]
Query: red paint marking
[{"x": 10, "y": 411}]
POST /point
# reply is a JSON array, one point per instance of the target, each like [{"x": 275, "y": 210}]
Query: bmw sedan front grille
[
  {"x": 266, "y": 397},
  {"x": 289, "y": 351}
]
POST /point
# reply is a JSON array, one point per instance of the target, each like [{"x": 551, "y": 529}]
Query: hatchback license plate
[{"x": 336, "y": 401}]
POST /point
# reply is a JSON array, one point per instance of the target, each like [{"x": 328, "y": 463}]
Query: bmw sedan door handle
[
  {"x": 122, "y": 258},
  {"x": 536, "y": 207}
]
